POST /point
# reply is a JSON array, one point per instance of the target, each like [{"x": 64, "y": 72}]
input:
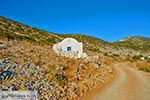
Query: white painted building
[
  {"x": 70, "y": 47},
  {"x": 70, "y": 44}
]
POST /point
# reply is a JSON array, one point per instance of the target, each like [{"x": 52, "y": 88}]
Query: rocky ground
[
  {"x": 28, "y": 62},
  {"x": 36, "y": 67}
]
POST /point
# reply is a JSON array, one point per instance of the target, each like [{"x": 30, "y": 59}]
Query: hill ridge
[{"x": 10, "y": 29}]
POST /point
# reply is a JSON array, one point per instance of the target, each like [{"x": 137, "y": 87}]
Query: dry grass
[
  {"x": 75, "y": 70},
  {"x": 145, "y": 68}
]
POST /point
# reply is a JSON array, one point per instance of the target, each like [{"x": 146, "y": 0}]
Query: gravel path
[{"x": 129, "y": 84}]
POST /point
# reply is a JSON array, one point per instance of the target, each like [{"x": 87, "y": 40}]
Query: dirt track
[{"x": 129, "y": 84}]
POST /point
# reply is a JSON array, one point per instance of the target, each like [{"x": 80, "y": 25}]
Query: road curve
[{"x": 129, "y": 84}]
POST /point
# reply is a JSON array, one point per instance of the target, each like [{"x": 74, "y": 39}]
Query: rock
[
  {"x": 142, "y": 58},
  {"x": 31, "y": 77},
  {"x": 14, "y": 88},
  {"x": 91, "y": 59},
  {"x": 3, "y": 46},
  {"x": 82, "y": 55},
  {"x": 4, "y": 88},
  {"x": 5, "y": 75},
  {"x": 2, "y": 78},
  {"x": 6, "y": 64},
  {"x": 61, "y": 77},
  {"x": 5, "y": 61},
  {"x": 98, "y": 65},
  {"x": 60, "y": 68}
]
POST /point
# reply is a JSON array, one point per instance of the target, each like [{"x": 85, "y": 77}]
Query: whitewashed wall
[{"x": 74, "y": 44}]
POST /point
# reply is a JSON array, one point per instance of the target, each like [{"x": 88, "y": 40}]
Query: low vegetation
[
  {"x": 92, "y": 44},
  {"x": 146, "y": 68},
  {"x": 40, "y": 69},
  {"x": 60, "y": 78},
  {"x": 135, "y": 42},
  {"x": 12, "y": 30},
  {"x": 137, "y": 57}
]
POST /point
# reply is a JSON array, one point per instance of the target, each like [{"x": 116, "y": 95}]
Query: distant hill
[{"x": 135, "y": 42}]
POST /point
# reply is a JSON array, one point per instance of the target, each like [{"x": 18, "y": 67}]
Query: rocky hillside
[
  {"x": 13, "y": 30},
  {"x": 28, "y": 62},
  {"x": 135, "y": 42}
]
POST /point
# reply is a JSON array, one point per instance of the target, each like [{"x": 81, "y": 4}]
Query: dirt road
[{"x": 129, "y": 84}]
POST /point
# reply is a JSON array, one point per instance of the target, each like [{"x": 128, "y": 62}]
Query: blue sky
[{"x": 109, "y": 20}]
